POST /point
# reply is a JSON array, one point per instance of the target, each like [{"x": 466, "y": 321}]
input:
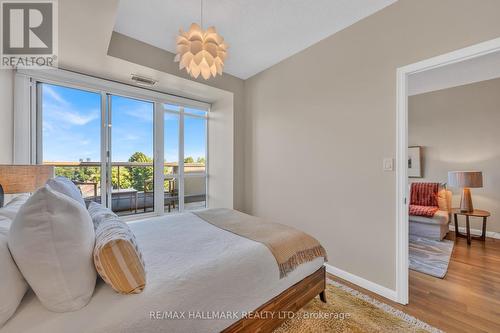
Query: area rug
[
  {"x": 348, "y": 310},
  {"x": 430, "y": 256}
]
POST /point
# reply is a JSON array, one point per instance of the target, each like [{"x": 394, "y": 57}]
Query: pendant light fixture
[{"x": 201, "y": 52}]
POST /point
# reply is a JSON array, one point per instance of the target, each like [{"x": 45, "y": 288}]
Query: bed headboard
[{"x": 24, "y": 178}]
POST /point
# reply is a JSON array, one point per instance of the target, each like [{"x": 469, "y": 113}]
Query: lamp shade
[
  {"x": 24, "y": 178},
  {"x": 465, "y": 179}
]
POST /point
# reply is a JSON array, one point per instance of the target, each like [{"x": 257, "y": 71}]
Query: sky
[{"x": 71, "y": 127}]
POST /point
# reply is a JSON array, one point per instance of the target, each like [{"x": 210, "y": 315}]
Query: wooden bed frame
[{"x": 274, "y": 312}]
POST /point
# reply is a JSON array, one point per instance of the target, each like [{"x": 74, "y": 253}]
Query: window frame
[
  {"x": 26, "y": 82},
  {"x": 181, "y": 175}
]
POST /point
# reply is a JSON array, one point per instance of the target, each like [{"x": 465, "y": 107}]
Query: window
[
  {"x": 195, "y": 156},
  {"x": 171, "y": 156},
  {"x": 107, "y": 144},
  {"x": 70, "y": 138},
  {"x": 185, "y": 140}
]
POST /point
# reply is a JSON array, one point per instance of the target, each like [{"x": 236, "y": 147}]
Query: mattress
[{"x": 199, "y": 279}]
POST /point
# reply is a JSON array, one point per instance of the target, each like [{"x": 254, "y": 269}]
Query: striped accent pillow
[
  {"x": 117, "y": 257},
  {"x": 98, "y": 213},
  {"x": 424, "y": 194}
]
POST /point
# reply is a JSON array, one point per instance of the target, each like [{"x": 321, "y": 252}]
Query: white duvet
[{"x": 195, "y": 272}]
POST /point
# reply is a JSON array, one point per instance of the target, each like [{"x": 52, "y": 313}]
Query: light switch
[{"x": 388, "y": 164}]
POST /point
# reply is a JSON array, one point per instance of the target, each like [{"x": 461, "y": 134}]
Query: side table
[{"x": 476, "y": 213}]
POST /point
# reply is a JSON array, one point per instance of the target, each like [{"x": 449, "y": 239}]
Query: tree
[
  {"x": 80, "y": 174},
  {"x": 188, "y": 159},
  {"x": 139, "y": 175},
  {"x": 124, "y": 178},
  {"x": 201, "y": 160}
]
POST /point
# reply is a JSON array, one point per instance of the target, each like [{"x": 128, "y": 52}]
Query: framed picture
[{"x": 414, "y": 162}]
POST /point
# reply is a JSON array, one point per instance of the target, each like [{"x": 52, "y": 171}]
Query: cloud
[
  {"x": 58, "y": 108},
  {"x": 75, "y": 118},
  {"x": 143, "y": 113},
  {"x": 54, "y": 95},
  {"x": 69, "y": 115}
]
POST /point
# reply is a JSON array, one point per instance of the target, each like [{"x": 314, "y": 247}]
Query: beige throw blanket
[{"x": 290, "y": 247}]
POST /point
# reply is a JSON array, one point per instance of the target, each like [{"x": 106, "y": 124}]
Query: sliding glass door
[
  {"x": 131, "y": 188},
  {"x": 111, "y": 146},
  {"x": 70, "y": 136}
]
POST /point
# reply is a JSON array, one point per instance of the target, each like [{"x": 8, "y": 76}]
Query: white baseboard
[
  {"x": 363, "y": 283},
  {"x": 476, "y": 232}
]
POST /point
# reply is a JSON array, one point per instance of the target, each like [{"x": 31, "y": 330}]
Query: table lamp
[
  {"x": 23, "y": 178},
  {"x": 465, "y": 180}
]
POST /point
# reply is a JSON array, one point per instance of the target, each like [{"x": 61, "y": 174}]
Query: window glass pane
[
  {"x": 196, "y": 112},
  {"x": 132, "y": 155},
  {"x": 172, "y": 107},
  {"x": 70, "y": 131},
  {"x": 194, "y": 162},
  {"x": 195, "y": 192},
  {"x": 171, "y": 144},
  {"x": 194, "y": 144},
  {"x": 171, "y": 156}
]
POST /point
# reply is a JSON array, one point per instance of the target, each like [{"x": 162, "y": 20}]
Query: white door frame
[{"x": 403, "y": 73}]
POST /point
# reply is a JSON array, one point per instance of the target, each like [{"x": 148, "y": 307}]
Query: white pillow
[
  {"x": 52, "y": 240},
  {"x": 67, "y": 187},
  {"x": 12, "y": 207},
  {"x": 12, "y": 286}
]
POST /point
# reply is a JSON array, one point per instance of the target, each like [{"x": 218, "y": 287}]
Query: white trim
[
  {"x": 207, "y": 183},
  {"x": 22, "y": 152},
  {"x": 181, "y": 161},
  {"x": 36, "y": 119},
  {"x": 476, "y": 232},
  {"x": 402, "y": 190},
  {"x": 403, "y": 73},
  {"x": 158, "y": 158},
  {"x": 104, "y": 148},
  {"x": 108, "y": 147},
  {"x": 363, "y": 283}
]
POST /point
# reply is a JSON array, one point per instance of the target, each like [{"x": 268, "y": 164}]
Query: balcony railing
[{"x": 132, "y": 184}]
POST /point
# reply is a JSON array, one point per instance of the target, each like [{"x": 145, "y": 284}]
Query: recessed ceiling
[{"x": 260, "y": 33}]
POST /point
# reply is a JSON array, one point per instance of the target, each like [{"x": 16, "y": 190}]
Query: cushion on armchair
[{"x": 444, "y": 200}]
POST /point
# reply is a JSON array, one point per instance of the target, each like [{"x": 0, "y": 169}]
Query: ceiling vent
[{"x": 144, "y": 81}]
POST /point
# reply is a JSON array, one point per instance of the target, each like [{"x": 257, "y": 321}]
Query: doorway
[{"x": 403, "y": 76}]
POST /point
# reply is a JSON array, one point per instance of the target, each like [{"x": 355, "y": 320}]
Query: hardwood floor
[{"x": 467, "y": 299}]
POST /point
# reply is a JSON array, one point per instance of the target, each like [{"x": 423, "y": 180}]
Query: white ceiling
[
  {"x": 260, "y": 33},
  {"x": 478, "y": 69}
]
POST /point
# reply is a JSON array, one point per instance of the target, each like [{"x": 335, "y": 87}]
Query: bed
[{"x": 200, "y": 278}]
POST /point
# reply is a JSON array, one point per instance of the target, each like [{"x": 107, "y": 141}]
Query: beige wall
[
  {"x": 459, "y": 130},
  {"x": 319, "y": 124}
]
